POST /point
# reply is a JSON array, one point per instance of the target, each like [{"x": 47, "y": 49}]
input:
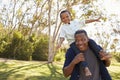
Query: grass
[
  {"x": 30, "y": 70},
  {"x": 114, "y": 70},
  {"x": 35, "y": 70}
]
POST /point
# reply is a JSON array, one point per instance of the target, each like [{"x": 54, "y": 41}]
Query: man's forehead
[{"x": 80, "y": 35}]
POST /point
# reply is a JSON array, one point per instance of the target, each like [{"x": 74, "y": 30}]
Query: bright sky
[{"x": 112, "y": 6}]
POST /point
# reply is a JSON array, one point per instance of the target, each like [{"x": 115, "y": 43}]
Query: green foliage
[
  {"x": 25, "y": 51},
  {"x": 41, "y": 49},
  {"x": 60, "y": 54},
  {"x": 18, "y": 48},
  {"x": 117, "y": 56},
  {"x": 3, "y": 43}
]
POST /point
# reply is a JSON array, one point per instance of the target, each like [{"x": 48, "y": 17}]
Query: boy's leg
[
  {"x": 83, "y": 63},
  {"x": 92, "y": 44},
  {"x": 77, "y": 51}
]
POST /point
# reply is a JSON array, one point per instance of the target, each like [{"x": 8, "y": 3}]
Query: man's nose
[{"x": 80, "y": 42}]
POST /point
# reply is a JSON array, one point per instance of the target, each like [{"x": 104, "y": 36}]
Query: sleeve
[
  {"x": 93, "y": 45},
  {"x": 82, "y": 23},
  {"x": 69, "y": 57},
  {"x": 62, "y": 32},
  {"x": 73, "y": 46}
]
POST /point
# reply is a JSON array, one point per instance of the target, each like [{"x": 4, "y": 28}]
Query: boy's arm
[
  {"x": 60, "y": 42},
  {"x": 92, "y": 20}
]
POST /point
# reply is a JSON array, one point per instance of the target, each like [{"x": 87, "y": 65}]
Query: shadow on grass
[
  {"x": 6, "y": 73},
  {"x": 54, "y": 74}
]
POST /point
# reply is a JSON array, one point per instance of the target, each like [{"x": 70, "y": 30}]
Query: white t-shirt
[{"x": 68, "y": 30}]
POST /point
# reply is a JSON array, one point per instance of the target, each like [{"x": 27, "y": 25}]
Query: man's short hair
[{"x": 80, "y": 31}]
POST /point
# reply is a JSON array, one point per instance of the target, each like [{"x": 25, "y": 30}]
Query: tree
[{"x": 39, "y": 14}]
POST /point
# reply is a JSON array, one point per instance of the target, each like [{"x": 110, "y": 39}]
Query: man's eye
[{"x": 83, "y": 39}]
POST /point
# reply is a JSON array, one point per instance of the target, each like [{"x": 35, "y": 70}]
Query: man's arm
[
  {"x": 107, "y": 62},
  {"x": 105, "y": 57},
  {"x": 69, "y": 69}
]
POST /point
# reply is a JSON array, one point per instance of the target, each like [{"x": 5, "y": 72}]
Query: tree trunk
[{"x": 51, "y": 46}]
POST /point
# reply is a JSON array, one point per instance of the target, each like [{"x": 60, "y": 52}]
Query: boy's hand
[
  {"x": 58, "y": 46},
  {"x": 98, "y": 20},
  {"x": 104, "y": 55}
]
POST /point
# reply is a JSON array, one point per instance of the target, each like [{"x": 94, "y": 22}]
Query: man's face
[
  {"x": 65, "y": 17},
  {"x": 81, "y": 41}
]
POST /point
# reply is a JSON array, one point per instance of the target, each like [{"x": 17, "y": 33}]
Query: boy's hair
[
  {"x": 80, "y": 31},
  {"x": 64, "y": 12}
]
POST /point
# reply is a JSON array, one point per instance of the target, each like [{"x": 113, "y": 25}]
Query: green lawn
[
  {"x": 35, "y": 70},
  {"x": 30, "y": 70}
]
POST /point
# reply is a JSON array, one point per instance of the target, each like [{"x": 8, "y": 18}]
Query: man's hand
[
  {"x": 78, "y": 58},
  {"x": 68, "y": 69}
]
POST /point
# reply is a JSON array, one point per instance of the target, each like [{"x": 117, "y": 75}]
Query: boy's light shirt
[{"x": 68, "y": 30}]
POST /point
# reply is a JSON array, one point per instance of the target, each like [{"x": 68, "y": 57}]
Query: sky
[{"x": 112, "y": 6}]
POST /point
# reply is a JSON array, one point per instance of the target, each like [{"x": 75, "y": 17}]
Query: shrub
[
  {"x": 18, "y": 48},
  {"x": 41, "y": 49},
  {"x": 60, "y": 54},
  {"x": 117, "y": 56},
  {"x": 21, "y": 47}
]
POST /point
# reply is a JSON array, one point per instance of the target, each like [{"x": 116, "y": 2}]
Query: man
[
  {"x": 68, "y": 29},
  {"x": 97, "y": 63}
]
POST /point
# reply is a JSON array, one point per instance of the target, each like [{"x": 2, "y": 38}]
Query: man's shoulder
[{"x": 70, "y": 51}]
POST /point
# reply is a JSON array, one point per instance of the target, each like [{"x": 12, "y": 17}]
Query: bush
[
  {"x": 18, "y": 48},
  {"x": 21, "y": 47},
  {"x": 41, "y": 49},
  {"x": 117, "y": 56},
  {"x": 3, "y": 42},
  {"x": 60, "y": 54}
]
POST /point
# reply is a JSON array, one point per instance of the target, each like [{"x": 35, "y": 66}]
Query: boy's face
[
  {"x": 65, "y": 17},
  {"x": 81, "y": 41}
]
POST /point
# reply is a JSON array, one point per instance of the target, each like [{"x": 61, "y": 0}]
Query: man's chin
[{"x": 82, "y": 50}]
